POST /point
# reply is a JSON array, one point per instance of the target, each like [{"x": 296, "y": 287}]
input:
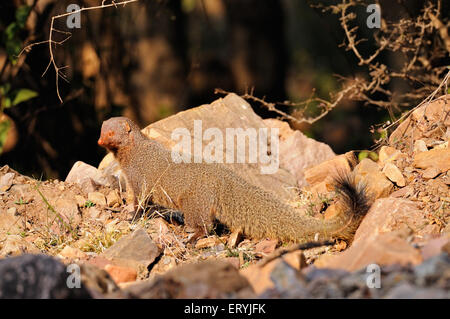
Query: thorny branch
[{"x": 58, "y": 70}]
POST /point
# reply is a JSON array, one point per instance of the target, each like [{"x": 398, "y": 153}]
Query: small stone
[
  {"x": 420, "y": 146},
  {"x": 6, "y": 181},
  {"x": 97, "y": 198},
  {"x": 12, "y": 211},
  {"x": 435, "y": 246},
  {"x": 81, "y": 201},
  {"x": 88, "y": 177},
  {"x": 389, "y": 154},
  {"x": 113, "y": 198},
  {"x": 366, "y": 166},
  {"x": 136, "y": 250},
  {"x": 234, "y": 239},
  {"x": 72, "y": 253},
  {"x": 441, "y": 146},
  {"x": 15, "y": 245},
  {"x": 296, "y": 259},
  {"x": 326, "y": 169},
  {"x": 435, "y": 158},
  {"x": 68, "y": 209},
  {"x": 207, "y": 242},
  {"x": 431, "y": 172},
  {"x": 393, "y": 173},
  {"x": 121, "y": 274},
  {"x": 266, "y": 246},
  {"x": 377, "y": 183},
  {"x": 234, "y": 261}
]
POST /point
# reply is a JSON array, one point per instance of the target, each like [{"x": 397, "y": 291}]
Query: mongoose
[{"x": 206, "y": 192}]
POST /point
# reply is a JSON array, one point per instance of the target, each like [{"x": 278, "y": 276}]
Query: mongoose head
[{"x": 117, "y": 132}]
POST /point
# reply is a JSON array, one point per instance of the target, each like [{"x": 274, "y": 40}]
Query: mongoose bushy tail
[{"x": 204, "y": 192}]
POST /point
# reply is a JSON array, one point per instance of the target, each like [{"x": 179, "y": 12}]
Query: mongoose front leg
[{"x": 197, "y": 215}]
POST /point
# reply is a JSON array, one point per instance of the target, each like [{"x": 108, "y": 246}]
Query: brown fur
[{"x": 204, "y": 192}]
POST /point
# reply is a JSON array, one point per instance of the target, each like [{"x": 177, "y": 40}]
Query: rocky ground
[{"x": 85, "y": 220}]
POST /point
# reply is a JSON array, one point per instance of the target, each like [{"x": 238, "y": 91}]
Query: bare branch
[{"x": 52, "y": 42}]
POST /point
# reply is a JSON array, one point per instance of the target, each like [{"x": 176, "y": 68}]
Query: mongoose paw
[
  {"x": 195, "y": 236},
  {"x": 130, "y": 212}
]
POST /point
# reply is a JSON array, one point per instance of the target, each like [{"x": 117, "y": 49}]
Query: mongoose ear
[{"x": 127, "y": 127}]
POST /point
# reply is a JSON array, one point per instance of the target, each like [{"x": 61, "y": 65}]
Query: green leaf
[
  {"x": 362, "y": 155},
  {"x": 6, "y": 102},
  {"x": 4, "y": 127},
  {"x": 373, "y": 156},
  {"x": 10, "y": 31},
  {"x": 24, "y": 95},
  {"x": 4, "y": 89},
  {"x": 22, "y": 15}
]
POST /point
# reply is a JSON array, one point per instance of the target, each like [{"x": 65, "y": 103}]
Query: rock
[
  {"x": 285, "y": 277},
  {"x": 6, "y": 181},
  {"x": 439, "y": 159},
  {"x": 37, "y": 277},
  {"x": 97, "y": 280},
  {"x": 72, "y": 253},
  {"x": 207, "y": 279},
  {"x": 401, "y": 216},
  {"x": 113, "y": 198},
  {"x": 207, "y": 242},
  {"x": 381, "y": 236},
  {"x": 409, "y": 291},
  {"x": 431, "y": 172},
  {"x": 389, "y": 154},
  {"x": 367, "y": 166},
  {"x": 421, "y": 121},
  {"x": 136, "y": 250},
  {"x": 15, "y": 245},
  {"x": 295, "y": 259},
  {"x": 9, "y": 223},
  {"x": 89, "y": 177},
  {"x": 420, "y": 146},
  {"x": 299, "y": 152},
  {"x": 393, "y": 173},
  {"x": 434, "y": 270},
  {"x": 266, "y": 246},
  {"x": 121, "y": 274},
  {"x": 327, "y": 169},
  {"x": 441, "y": 146},
  {"x": 260, "y": 277},
  {"x": 235, "y": 261},
  {"x": 435, "y": 247},
  {"x": 229, "y": 112},
  {"x": 404, "y": 192},
  {"x": 81, "y": 201},
  {"x": 234, "y": 239},
  {"x": 97, "y": 198},
  {"x": 67, "y": 208},
  {"x": 161, "y": 234},
  {"x": 383, "y": 249},
  {"x": 94, "y": 213},
  {"x": 368, "y": 173},
  {"x": 164, "y": 264}
]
